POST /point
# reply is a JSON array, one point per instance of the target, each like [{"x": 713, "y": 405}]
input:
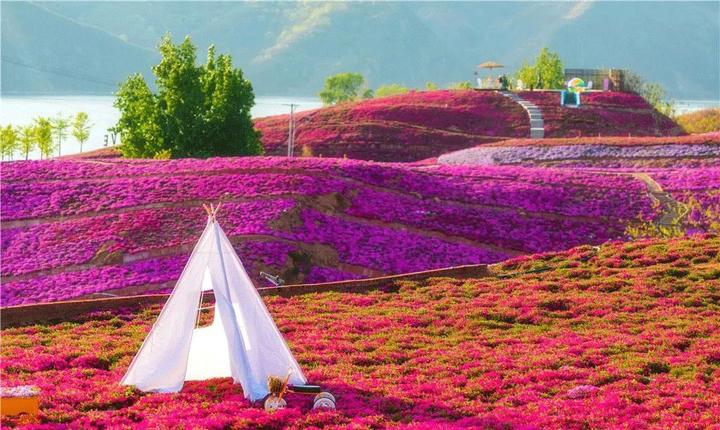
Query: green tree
[
  {"x": 462, "y": 85},
  {"x": 81, "y": 128},
  {"x": 656, "y": 96},
  {"x": 431, "y": 86},
  {"x": 390, "y": 90},
  {"x": 653, "y": 93},
  {"x": 198, "y": 111},
  {"x": 59, "y": 125},
  {"x": 228, "y": 98},
  {"x": 550, "y": 70},
  {"x": 8, "y": 141},
  {"x": 343, "y": 87},
  {"x": 633, "y": 81},
  {"x": 43, "y": 136},
  {"x": 527, "y": 74},
  {"x": 26, "y": 139},
  {"x": 141, "y": 119}
]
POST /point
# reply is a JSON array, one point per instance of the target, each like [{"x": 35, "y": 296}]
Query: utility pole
[{"x": 291, "y": 130}]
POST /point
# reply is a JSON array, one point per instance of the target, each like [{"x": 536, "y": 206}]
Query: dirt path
[{"x": 673, "y": 212}]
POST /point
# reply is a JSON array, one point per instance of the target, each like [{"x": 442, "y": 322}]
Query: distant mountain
[
  {"x": 288, "y": 48},
  {"x": 46, "y": 53}
]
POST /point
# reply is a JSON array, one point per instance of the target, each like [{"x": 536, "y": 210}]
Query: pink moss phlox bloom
[{"x": 621, "y": 337}]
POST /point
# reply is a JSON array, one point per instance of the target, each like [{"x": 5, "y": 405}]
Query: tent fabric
[{"x": 242, "y": 342}]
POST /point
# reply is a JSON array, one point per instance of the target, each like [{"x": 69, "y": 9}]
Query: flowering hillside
[
  {"x": 700, "y": 150},
  {"x": 601, "y": 114},
  {"x": 73, "y": 228},
  {"x": 622, "y": 336},
  {"x": 426, "y": 124},
  {"x": 406, "y": 127}
]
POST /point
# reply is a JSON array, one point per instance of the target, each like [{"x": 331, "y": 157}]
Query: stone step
[{"x": 537, "y": 126}]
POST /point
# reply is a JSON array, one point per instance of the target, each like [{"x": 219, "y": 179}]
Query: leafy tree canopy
[
  {"x": 653, "y": 93},
  {"x": 43, "y": 136},
  {"x": 198, "y": 111},
  {"x": 59, "y": 126},
  {"x": 548, "y": 72},
  {"x": 26, "y": 137},
  {"x": 81, "y": 128},
  {"x": 344, "y": 87},
  {"x": 9, "y": 142},
  {"x": 527, "y": 74}
]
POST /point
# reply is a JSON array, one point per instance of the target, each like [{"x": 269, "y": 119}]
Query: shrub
[
  {"x": 462, "y": 85},
  {"x": 390, "y": 90},
  {"x": 702, "y": 121}
]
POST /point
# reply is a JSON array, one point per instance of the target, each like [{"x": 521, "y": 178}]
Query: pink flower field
[
  {"x": 423, "y": 125},
  {"x": 74, "y": 228},
  {"x": 601, "y": 114},
  {"x": 700, "y": 150},
  {"x": 587, "y": 315},
  {"x": 426, "y": 124},
  {"x": 616, "y": 337},
  {"x": 408, "y": 127}
]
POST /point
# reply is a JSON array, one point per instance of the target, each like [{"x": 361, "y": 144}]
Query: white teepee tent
[{"x": 243, "y": 342}]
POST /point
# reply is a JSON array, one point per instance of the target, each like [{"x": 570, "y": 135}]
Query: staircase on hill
[{"x": 537, "y": 129}]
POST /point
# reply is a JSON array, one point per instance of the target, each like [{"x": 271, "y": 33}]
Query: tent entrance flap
[{"x": 209, "y": 355}]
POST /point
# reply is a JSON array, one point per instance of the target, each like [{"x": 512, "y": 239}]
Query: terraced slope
[
  {"x": 622, "y": 336},
  {"x": 427, "y": 124},
  {"x": 73, "y": 228},
  {"x": 407, "y": 127},
  {"x": 682, "y": 173},
  {"x": 601, "y": 114},
  {"x": 699, "y": 150}
]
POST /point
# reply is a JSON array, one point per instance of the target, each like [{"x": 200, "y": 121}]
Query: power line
[{"x": 59, "y": 72}]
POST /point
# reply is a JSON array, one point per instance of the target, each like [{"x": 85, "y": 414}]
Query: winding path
[{"x": 673, "y": 212}]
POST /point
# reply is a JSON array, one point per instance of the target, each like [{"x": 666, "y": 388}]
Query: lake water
[{"x": 22, "y": 110}]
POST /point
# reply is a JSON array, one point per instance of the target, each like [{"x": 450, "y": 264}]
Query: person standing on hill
[{"x": 503, "y": 82}]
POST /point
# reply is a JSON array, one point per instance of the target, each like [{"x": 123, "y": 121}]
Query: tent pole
[{"x": 200, "y": 302}]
